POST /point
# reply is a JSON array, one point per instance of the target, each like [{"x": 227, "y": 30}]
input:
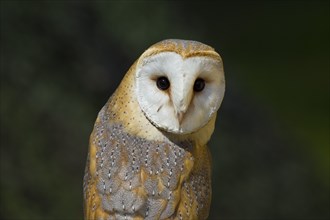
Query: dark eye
[
  {"x": 199, "y": 85},
  {"x": 163, "y": 83}
]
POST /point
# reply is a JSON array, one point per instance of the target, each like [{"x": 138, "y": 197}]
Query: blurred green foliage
[{"x": 60, "y": 62}]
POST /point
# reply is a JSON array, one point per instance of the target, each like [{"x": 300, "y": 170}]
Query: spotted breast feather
[{"x": 129, "y": 177}]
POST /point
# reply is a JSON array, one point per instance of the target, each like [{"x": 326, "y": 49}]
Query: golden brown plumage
[{"x": 137, "y": 169}]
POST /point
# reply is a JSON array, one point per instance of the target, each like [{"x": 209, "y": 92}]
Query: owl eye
[
  {"x": 163, "y": 83},
  {"x": 199, "y": 85}
]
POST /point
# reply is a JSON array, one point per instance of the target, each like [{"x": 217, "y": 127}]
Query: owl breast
[{"x": 129, "y": 177}]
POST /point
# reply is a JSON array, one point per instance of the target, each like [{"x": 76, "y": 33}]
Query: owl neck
[{"x": 200, "y": 137}]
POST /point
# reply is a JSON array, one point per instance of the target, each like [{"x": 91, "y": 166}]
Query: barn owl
[{"x": 148, "y": 157}]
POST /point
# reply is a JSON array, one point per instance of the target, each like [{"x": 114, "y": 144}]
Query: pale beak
[
  {"x": 182, "y": 100},
  {"x": 180, "y": 115},
  {"x": 180, "y": 112}
]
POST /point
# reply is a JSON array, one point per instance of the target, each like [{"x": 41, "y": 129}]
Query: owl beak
[
  {"x": 180, "y": 115},
  {"x": 182, "y": 104}
]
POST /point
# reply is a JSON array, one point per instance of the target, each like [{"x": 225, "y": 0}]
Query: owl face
[{"x": 179, "y": 92}]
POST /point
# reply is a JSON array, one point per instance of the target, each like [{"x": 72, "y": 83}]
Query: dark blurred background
[{"x": 61, "y": 61}]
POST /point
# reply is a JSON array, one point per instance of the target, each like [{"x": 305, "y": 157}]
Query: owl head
[{"x": 180, "y": 85}]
